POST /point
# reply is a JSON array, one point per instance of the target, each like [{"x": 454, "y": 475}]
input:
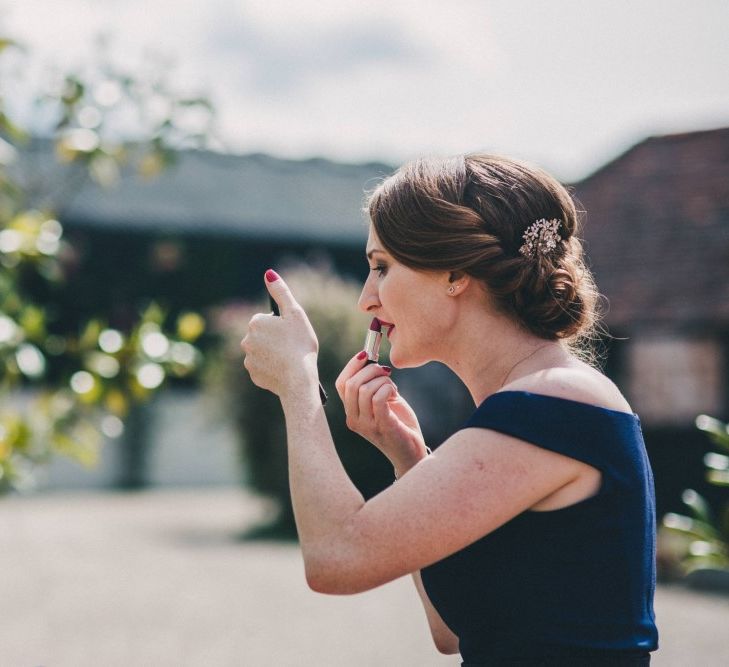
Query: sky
[{"x": 568, "y": 84}]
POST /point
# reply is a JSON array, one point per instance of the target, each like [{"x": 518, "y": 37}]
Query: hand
[
  {"x": 376, "y": 411},
  {"x": 281, "y": 352}
]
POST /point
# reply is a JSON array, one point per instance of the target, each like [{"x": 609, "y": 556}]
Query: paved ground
[{"x": 158, "y": 579}]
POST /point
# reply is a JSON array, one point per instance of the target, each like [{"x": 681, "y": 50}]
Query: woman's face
[{"x": 415, "y": 302}]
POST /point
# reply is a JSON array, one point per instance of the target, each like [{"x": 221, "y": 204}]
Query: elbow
[
  {"x": 329, "y": 578},
  {"x": 445, "y": 641},
  {"x": 339, "y": 565},
  {"x": 317, "y": 580},
  {"x": 332, "y": 583},
  {"x": 446, "y": 646}
]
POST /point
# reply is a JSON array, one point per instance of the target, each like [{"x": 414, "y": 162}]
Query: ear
[{"x": 460, "y": 280}]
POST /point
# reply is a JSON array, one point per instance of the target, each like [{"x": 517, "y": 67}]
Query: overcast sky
[{"x": 565, "y": 83}]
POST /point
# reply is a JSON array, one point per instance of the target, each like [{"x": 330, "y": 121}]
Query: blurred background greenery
[
  {"x": 91, "y": 371},
  {"x": 696, "y": 546}
]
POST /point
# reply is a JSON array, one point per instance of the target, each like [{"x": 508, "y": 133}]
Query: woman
[{"x": 529, "y": 532}]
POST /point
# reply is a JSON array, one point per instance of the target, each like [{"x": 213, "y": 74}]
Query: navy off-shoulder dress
[{"x": 572, "y": 586}]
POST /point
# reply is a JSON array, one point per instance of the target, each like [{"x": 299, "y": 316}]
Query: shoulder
[{"x": 576, "y": 382}]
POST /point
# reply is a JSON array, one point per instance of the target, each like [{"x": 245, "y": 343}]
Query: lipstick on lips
[{"x": 374, "y": 339}]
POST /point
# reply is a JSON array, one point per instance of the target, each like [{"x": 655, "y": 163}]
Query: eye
[{"x": 380, "y": 268}]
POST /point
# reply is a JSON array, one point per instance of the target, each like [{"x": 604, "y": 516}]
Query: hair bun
[{"x": 557, "y": 299}]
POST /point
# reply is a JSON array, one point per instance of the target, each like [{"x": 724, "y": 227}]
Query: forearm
[
  {"x": 323, "y": 496},
  {"x": 443, "y": 637}
]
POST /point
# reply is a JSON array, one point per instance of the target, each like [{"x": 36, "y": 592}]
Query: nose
[{"x": 369, "y": 298}]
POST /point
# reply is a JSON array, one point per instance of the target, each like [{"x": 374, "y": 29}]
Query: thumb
[{"x": 280, "y": 292}]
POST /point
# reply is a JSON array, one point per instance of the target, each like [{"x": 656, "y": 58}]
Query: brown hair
[{"x": 469, "y": 213}]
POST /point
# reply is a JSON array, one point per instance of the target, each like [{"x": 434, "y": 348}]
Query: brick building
[{"x": 657, "y": 235}]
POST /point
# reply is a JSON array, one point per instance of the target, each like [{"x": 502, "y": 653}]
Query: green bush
[
  {"x": 331, "y": 304},
  {"x": 689, "y": 544}
]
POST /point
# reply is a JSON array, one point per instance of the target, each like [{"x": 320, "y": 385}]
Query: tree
[{"x": 88, "y": 377}]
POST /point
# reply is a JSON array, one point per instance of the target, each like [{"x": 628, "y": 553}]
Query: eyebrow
[{"x": 372, "y": 252}]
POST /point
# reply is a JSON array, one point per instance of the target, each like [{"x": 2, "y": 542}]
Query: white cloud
[{"x": 567, "y": 83}]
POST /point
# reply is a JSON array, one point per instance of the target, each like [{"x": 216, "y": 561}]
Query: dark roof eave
[{"x": 255, "y": 230}]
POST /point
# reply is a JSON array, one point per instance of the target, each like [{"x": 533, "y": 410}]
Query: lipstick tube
[{"x": 373, "y": 341}]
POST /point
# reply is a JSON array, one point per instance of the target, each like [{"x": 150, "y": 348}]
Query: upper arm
[{"x": 475, "y": 482}]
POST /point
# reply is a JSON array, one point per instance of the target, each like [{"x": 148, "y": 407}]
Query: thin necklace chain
[{"x": 531, "y": 354}]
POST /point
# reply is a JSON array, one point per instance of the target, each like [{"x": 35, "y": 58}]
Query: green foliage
[
  {"x": 331, "y": 305},
  {"x": 701, "y": 540},
  {"x": 105, "y": 372}
]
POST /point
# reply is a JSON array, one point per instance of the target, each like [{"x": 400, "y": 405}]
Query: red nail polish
[
  {"x": 271, "y": 276},
  {"x": 361, "y": 355},
  {"x": 387, "y": 369}
]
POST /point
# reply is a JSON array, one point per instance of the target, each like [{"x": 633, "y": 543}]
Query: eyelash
[{"x": 380, "y": 268}]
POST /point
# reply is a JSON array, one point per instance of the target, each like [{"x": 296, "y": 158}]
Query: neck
[{"x": 487, "y": 351}]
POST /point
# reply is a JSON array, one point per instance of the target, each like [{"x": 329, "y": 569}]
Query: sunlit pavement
[{"x": 160, "y": 579}]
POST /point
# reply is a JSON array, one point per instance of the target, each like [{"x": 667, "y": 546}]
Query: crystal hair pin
[{"x": 541, "y": 237}]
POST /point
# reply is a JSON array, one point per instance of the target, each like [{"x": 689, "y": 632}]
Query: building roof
[
  {"x": 252, "y": 196},
  {"x": 657, "y": 232},
  {"x": 656, "y": 229}
]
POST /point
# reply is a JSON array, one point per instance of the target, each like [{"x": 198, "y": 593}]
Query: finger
[
  {"x": 366, "y": 394},
  {"x": 380, "y": 401},
  {"x": 352, "y": 387},
  {"x": 352, "y": 367},
  {"x": 356, "y": 363},
  {"x": 280, "y": 292}
]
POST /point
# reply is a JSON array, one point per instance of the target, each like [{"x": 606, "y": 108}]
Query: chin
[
  {"x": 394, "y": 359},
  {"x": 398, "y": 361}
]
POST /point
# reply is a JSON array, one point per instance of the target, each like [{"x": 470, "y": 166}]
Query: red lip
[{"x": 390, "y": 326}]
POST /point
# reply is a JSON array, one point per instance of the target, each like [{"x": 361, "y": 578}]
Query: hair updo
[{"x": 469, "y": 213}]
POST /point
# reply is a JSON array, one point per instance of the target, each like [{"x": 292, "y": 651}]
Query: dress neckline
[{"x": 566, "y": 400}]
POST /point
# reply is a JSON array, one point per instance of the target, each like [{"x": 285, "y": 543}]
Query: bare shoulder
[{"x": 575, "y": 381}]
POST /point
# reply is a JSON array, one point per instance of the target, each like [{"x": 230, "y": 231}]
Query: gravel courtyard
[{"x": 161, "y": 579}]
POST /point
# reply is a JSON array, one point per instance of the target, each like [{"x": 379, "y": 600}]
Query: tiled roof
[
  {"x": 245, "y": 195},
  {"x": 657, "y": 232}
]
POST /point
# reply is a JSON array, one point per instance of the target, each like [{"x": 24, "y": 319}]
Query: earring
[{"x": 452, "y": 289}]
